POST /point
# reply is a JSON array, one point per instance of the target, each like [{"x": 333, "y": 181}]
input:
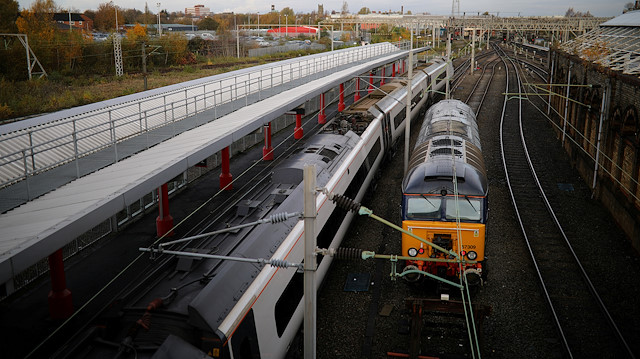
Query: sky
[{"x": 435, "y": 7}]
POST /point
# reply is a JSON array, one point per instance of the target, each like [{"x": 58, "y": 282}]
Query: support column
[
  {"x": 341, "y": 98},
  {"x": 370, "y": 82},
  {"x": 225, "y": 176},
  {"x": 393, "y": 70},
  {"x": 403, "y": 66},
  {"x": 322, "y": 117},
  {"x": 356, "y": 96},
  {"x": 60, "y": 302},
  {"x": 164, "y": 222},
  {"x": 382, "y": 78},
  {"x": 267, "y": 150},
  {"x": 297, "y": 132}
]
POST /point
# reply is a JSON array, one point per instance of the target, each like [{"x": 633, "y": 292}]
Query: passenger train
[
  {"x": 227, "y": 309},
  {"x": 445, "y": 196}
]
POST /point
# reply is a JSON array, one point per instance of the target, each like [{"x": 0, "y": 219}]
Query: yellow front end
[{"x": 448, "y": 236}]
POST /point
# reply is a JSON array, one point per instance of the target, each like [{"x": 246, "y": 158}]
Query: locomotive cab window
[
  {"x": 470, "y": 209},
  {"x": 423, "y": 207}
]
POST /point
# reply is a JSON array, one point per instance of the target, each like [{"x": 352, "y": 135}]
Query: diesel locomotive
[{"x": 445, "y": 197}]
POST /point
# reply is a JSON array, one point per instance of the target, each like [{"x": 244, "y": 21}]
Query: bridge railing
[{"x": 33, "y": 149}]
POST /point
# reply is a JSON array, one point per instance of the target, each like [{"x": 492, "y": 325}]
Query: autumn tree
[
  {"x": 137, "y": 33},
  {"x": 364, "y": 11},
  {"x": 207, "y": 24},
  {"x": 8, "y": 15},
  {"x": 37, "y": 21},
  {"x": 288, "y": 12},
  {"x": 132, "y": 16},
  {"x": 105, "y": 19}
]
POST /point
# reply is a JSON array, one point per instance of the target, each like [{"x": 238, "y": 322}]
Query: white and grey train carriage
[{"x": 227, "y": 309}]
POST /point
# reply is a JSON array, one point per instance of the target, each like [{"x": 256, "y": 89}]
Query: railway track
[
  {"x": 481, "y": 87},
  {"x": 584, "y": 326}
]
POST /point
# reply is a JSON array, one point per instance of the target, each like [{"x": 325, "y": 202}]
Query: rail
[{"x": 26, "y": 151}]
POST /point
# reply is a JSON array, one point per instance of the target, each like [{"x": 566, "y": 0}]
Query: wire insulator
[
  {"x": 345, "y": 202},
  {"x": 279, "y": 263},
  {"x": 278, "y": 217},
  {"x": 348, "y": 253}
]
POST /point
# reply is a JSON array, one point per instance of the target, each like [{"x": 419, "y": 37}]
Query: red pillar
[
  {"x": 341, "y": 97},
  {"x": 267, "y": 150},
  {"x": 60, "y": 302},
  {"x": 356, "y": 96},
  {"x": 225, "y": 176},
  {"x": 370, "y": 82},
  {"x": 382, "y": 80},
  {"x": 322, "y": 117},
  {"x": 297, "y": 132},
  {"x": 164, "y": 222},
  {"x": 393, "y": 69}
]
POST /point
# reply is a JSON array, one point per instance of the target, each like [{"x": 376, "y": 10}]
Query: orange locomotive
[{"x": 445, "y": 196}]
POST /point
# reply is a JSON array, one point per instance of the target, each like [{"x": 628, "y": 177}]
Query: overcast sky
[{"x": 435, "y": 7}]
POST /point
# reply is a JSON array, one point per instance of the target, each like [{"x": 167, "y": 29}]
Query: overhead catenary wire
[{"x": 274, "y": 218}]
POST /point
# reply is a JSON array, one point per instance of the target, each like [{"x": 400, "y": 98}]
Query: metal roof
[
  {"x": 631, "y": 18},
  {"x": 40, "y": 227},
  {"x": 615, "y": 44}
]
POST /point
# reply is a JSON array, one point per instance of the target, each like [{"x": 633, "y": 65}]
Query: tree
[
  {"x": 345, "y": 8},
  {"x": 8, "y": 15},
  {"x": 37, "y": 21},
  {"x": 137, "y": 33},
  {"x": 628, "y": 7},
  {"x": 208, "y": 24},
  {"x": 288, "y": 12},
  {"x": 91, "y": 14},
  {"x": 105, "y": 19},
  {"x": 364, "y": 11},
  {"x": 572, "y": 13}
]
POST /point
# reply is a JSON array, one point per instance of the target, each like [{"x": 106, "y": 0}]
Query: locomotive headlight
[
  {"x": 413, "y": 252},
  {"x": 472, "y": 255}
]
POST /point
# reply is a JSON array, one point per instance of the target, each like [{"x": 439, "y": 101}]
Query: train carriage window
[
  {"x": 245, "y": 339},
  {"x": 416, "y": 98},
  {"x": 288, "y": 302},
  {"x": 423, "y": 207},
  {"x": 399, "y": 118},
  {"x": 373, "y": 154},
  {"x": 470, "y": 209}
]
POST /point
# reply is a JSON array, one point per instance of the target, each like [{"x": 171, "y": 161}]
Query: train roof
[
  {"x": 208, "y": 308},
  {"x": 448, "y": 146},
  {"x": 449, "y": 117}
]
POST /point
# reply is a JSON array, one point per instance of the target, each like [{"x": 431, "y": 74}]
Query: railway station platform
[{"x": 45, "y": 224}]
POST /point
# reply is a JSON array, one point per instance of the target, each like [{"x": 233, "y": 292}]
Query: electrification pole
[{"x": 407, "y": 120}]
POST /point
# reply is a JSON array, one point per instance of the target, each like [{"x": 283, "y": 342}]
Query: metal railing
[{"x": 34, "y": 150}]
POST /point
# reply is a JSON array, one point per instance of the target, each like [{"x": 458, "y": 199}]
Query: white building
[{"x": 198, "y": 11}]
